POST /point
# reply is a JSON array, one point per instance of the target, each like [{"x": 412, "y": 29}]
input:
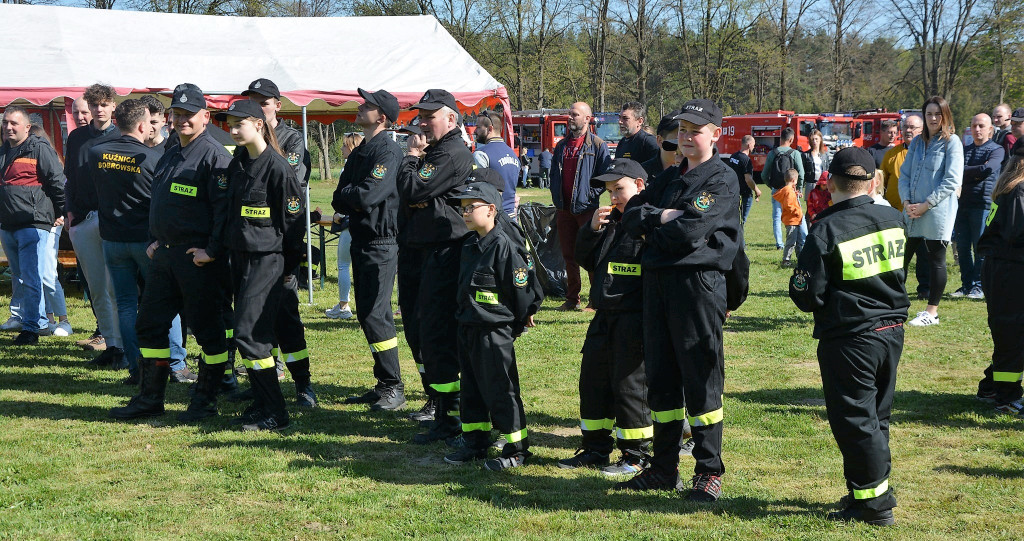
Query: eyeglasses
[
  {"x": 470, "y": 208},
  {"x": 669, "y": 146}
]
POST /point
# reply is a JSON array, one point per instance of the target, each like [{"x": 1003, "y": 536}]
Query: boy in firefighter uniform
[
  {"x": 498, "y": 292},
  {"x": 613, "y": 384},
  {"x": 367, "y": 192},
  {"x": 691, "y": 230},
  {"x": 188, "y": 261},
  {"x": 262, "y": 228},
  {"x": 850, "y": 275}
]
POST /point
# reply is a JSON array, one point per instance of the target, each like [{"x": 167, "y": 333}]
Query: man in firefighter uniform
[
  {"x": 436, "y": 163},
  {"x": 288, "y": 328},
  {"x": 850, "y": 275},
  {"x": 367, "y": 192},
  {"x": 186, "y": 217}
]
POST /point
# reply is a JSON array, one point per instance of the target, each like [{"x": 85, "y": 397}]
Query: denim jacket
[{"x": 933, "y": 173}]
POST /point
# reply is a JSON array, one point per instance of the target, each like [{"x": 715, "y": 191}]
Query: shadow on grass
[
  {"x": 984, "y": 471},
  {"x": 741, "y": 323}
]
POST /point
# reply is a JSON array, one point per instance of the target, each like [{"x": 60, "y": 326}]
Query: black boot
[
  {"x": 204, "y": 403},
  {"x": 267, "y": 391},
  {"x": 445, "y": 424},
  {"x": 150, "y": 400}
]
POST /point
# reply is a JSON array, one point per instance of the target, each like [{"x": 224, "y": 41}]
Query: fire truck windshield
[
  {"x": 835, "y": 129},
  {"x": 607, "y": 125}
]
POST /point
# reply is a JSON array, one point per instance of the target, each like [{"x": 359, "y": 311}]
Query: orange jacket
[{"x": 791, "y": 211}]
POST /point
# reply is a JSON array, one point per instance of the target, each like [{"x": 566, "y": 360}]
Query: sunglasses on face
[{"x": 669, "y": 146}]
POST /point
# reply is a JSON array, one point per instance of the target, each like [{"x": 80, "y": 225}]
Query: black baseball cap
[
  {"x": 488, "y": 175},
  {"x": 263, "y": 87},
  {"x": 669, "y": 123},
  {"x": 482, "y": 191},
  {"x": 700, "y": 112},
  {"x": 619, "y": 169},
  {"x": 189, "y": 97},
  {"x": 383, "y": 100},
  {"x": 852, "y": 157},
  {"x": 1017, "y": 115},
  {"x": 436, "y": 98},
  {"x": 242, "y": 109}
]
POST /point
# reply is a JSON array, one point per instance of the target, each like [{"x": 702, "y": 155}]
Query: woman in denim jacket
[{"x": 930, "y": 180}]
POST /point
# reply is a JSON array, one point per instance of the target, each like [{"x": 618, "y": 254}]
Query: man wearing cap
[
  {"x": 691, "y": 231},
  {"x": 367, "y": 192},
  {"x": 493, "y": 152},
  {"x": 188, "y": 258},
  {"x": 1016, "y": 131},
  {"x": 579, "y": 157},
  {"x": 850, "y": 275},
  {"x": 636, "y": 144},
  {"x": 288, "y": 327},
  {"x": 436, "y": 163}
]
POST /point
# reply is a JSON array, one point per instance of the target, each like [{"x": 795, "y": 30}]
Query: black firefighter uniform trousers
[
  {"x": 258, "y": 279},
  {"x": 290, "y": 333},
  {"x": 613, "y": 384},
  {"x": 439, "y": 277},
  {"x": 373, "y": 275},
  {"x": 1005, "y": 303},
  {"x": 858, "y": 376},
  {"x": 490, "y": 388},
  {"x": 410, "y": 264},
  {"x": 175, "y": 285},
  {"x": 684, "y": 310}
]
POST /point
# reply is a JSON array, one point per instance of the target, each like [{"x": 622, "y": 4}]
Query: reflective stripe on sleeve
[
  {"x": 868, "y": 493},
  {"x": 380, "y": 347},
  {"x": 991, "y": 214}
]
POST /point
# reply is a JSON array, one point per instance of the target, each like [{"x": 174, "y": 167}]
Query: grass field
[{"x": 340, "y": 472}]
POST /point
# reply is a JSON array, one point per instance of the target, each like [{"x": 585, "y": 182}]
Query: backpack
[{"x": 782, "y": 163}]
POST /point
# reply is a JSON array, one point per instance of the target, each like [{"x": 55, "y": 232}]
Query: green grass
[{"x": 340, "y": 472}]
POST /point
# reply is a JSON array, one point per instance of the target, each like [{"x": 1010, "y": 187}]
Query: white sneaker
[
  {"x": 923, "y": 319},
  {"x": 63, "y": 329},
  {"x": 337, "y": 312},
  {"x": 12, "y": 324},
  {"x": 960, "y": 292},
  {"x": 976, "y": 293}
]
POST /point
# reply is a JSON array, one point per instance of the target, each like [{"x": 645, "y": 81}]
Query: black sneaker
[
  {"x": 183, "y": 376},
  {"x": 369, "y": 397},
  {"x": 249, "y": 415},
  {"x": 584, "y": 459},
  {"x": 26, "y": 338},
  {"x": 391, "y": 399},
  {"x": 707, "y": 487},
  {"x": 437, "y": 433},
  {"x": 867, "y": 516},
  {"x": 426, "y": 413},
  {"x": 650, "y": 479},
  {"x": 267, "y": 423},
  {"x": 464, "y": 455},
  {"x": 988, "y": 397},
  {"x": 305, "y": 397},
  {"x": 506, "y": 462},
  {"x": 108, "y": 359},
  {"x": 197, "y": 411},
  {"x": 686, "y": 449}
]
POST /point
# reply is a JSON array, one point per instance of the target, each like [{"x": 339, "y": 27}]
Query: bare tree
[
  {"x": 788, "y": 15},
  {"x": 710, "y": 43},
  {"x": 599, "y": 22},
  {"x": 638, "y": 19},
  {"x": 844, "y": 21},
  {"x": 550, "y": 29},
  {"x": 943, "y": 32}
]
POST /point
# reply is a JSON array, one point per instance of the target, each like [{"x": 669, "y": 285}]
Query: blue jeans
[
  {"x": 344, "y": 262},
  {"x": 746, "y": 204},
  {"x": 969, "y": 225},
  {"x": 777, "y": 224},
  {"x": 52, "y": 290},
  {"x": 127, "y": 264},
  {"x": 26, "y": 254}
]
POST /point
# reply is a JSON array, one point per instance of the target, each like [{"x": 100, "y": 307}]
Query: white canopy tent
[{"x": 53, "y": 53}]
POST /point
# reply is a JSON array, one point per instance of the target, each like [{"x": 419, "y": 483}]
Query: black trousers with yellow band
[
  {"x": 684, "y": 310},
  {"x": 613, "y": 385},
  {"x": 290, "y": 333},
  {"x": 490, "y": 388},
  {"x": 410, "y": 263},
  {"x": 175, "y": 285},
  {"x": 374, "y": 266},
  {"x": 258, "y": 281},
  {"x": 439, "y": 277},
  {"x": 1005, "y": 303},
  {"x": 858, "y": 376}
]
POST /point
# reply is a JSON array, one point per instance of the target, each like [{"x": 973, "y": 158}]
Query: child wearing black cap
[
  {"x": 850, "y": 275},
  {"x": 498, "y": 292},
  {"x": 691, "y": 230},
  {"x": 613, "y": 381}
]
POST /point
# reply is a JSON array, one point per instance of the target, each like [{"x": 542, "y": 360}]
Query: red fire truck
[
  {"x": 540, "y": 129},
  {"x": 767, "y": 129}
]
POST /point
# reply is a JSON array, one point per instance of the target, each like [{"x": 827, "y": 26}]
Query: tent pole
[{"x": 309, "y": 228}]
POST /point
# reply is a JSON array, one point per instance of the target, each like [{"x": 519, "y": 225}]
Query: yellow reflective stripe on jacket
[
  {"x": 260, "y": 364},
  {"x": 991, "y": 214},
  {"x": 516, "y": 436},
  {"x": 421, "y": 368},
  {"x": 597, "y": 424},
  {"x": 869, "y": 493},
  {"x": 470, "y": 427},
  {"x": 219, "y": 358},
  {"x": 256, "y": 212},
  {"x": 486, "y": 297},
  {"x": 184, "y": 189},
  {"x": 1008, "y": 376},
  {"x": 274, "y": 352},
  {"x": 626, "y": 269},
  {"x": 229, "y": 333},
  {"x": 378, "y": 347},
  {"x": 668, "y": 416},
  {"x": 643, "y": 433},
  {"x": 300, "y": 355},
  {"x": 872, "y": 254},
  {"x": 150, "y": 353},
  {"x": 707, "y": 419},
  {"x": 446, "y": 387}
]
